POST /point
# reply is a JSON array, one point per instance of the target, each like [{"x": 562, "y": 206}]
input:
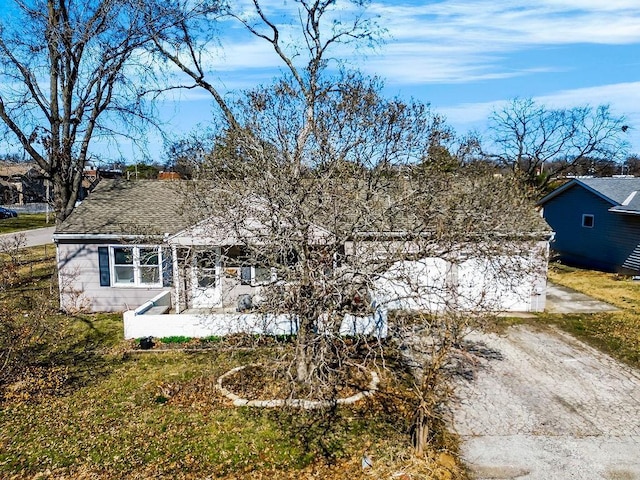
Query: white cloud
[
  {"x": 442, "y": 41},
  {"x": 514, "y": 23},
  {"x": 466, "y": 40}
]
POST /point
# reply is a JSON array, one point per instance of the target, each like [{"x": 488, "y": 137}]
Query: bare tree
[
  {"x": 355, "y": 225},
  {"x": 543, "y": 143},
  {"x": 24, "y": 321},
  {"x": 69, "y": 73},
  {"x": 631, "y": 166},
  {"x": 345, "y": 200}
]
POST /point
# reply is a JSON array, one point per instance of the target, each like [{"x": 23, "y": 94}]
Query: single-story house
[
  {"x": 135, "y": 247},
  {"x": 596, "y": 223}
]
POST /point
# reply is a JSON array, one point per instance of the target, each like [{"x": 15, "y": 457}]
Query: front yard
[
  {"x": 100, "y": 412},
  {"x": 88, "y": 404}
]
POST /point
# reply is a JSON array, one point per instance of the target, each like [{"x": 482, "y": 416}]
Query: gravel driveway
[{"x": 547, "y": 406}]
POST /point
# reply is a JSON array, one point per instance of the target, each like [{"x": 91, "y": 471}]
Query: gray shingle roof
[
  {"x": 615, "y": 189},
  {"x": 152, "y": 207},
  {"x": 142, "y": 207}
]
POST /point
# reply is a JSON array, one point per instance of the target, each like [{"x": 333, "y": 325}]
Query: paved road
[
  {"x": 38, "y": 236},
  {"x": 547, "y": 406}
]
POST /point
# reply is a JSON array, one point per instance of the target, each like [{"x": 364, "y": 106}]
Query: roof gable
[{"x": 619, "y": 192}]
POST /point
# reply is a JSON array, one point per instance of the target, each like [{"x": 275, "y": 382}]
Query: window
[
  {"x": 251, "y": 275},
  {"x": 136, "y": 266},
  {"x": 149, "y": 266},
  {"x": 123, "y": 267},
  {"x": 587, "y": 220},
  {"x": 261, "y": 275}
]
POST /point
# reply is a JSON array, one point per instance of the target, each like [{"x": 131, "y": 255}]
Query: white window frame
[
  {"x": 588, "y": 215},
  {"x": 137, "y": 265},
  {"x": 253, "y": 281}
]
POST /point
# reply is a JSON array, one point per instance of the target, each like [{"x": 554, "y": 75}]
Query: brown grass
[{"x": 85, "y": 408}]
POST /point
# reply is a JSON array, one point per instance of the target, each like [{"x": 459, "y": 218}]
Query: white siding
[
  {"x": 508, "y": 283},
  {"x": 79, "y": 277},
  {"x": 416, "y": 285}
]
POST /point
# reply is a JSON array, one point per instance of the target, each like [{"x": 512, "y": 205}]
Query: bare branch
[{"x": 544, "y": 143}]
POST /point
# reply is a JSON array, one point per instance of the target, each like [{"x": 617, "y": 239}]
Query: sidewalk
[{"x": 565, "y": 300}]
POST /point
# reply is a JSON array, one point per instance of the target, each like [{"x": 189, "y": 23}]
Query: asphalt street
[{"x": 29, "y": 238}]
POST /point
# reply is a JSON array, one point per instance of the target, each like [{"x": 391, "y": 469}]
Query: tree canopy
[
  {"x": 70, "y": 73},
  {"x": 543, "y": 142}
]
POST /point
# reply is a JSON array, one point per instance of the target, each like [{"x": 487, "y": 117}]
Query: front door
[{"x": 206, "y": 291}]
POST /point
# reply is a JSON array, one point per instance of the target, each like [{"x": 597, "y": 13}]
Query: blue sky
[
  {"x": 465, "y": 57},
  {"x": 468, "y": 57}
]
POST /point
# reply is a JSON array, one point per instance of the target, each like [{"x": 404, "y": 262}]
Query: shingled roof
[
  {"x": 120, "y": 207},
  {"x": 622, "y": 192},
  {"x": 155, "y": 208}
]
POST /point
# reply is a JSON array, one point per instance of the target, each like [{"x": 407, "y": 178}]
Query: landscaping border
[{"x": 294, "y": 402}]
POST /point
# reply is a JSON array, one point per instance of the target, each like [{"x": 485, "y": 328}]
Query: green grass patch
[
  {"x": 26, "y": 221},
  {"x": 175, "y": 339}
]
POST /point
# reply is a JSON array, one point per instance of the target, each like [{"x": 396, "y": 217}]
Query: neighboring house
[
  {"x": 133, "y": 246},
  {"x": 9, "y": 193},
  {"x": 596, "y": 223},
  {"x": 22, "y": 182},
  {"x": 91, "y": 177}
]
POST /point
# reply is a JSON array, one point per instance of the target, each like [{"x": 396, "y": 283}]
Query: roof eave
[
  {"x": 570, "y": 184},
  {"x": 60, "y": 236},
  {"x": 624, "y": 211}
]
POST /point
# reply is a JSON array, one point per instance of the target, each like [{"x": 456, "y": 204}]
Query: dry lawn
[
  {"x": 158, "y": 415},
  {"x": 85, "y": 407}
]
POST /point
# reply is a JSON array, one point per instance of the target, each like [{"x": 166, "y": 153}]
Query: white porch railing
[{"x": 151, "y": 319}]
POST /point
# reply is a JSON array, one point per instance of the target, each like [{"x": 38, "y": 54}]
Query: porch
[{"x": 153, "y": 318}]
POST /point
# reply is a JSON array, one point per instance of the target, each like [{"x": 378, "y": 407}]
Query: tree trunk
[
  {"x": 304, "y": 351},
  {"x": 421, "y": 430}
]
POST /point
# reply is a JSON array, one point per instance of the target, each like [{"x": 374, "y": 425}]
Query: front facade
[
  {"x": 105, "y": 275},
  {"x": 133, "y": 247},
  {"x": 133, "y": 240},
  {"x": 596, "y": 223}
]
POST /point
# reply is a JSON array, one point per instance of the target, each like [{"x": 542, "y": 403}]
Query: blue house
[{"x": 596, "y": 223}]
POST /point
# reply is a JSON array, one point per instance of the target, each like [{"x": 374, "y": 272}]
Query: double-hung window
[{"x": 136, "y": 266}]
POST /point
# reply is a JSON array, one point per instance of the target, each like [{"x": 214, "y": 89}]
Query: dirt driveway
[{"x": 544, "y": 405}]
